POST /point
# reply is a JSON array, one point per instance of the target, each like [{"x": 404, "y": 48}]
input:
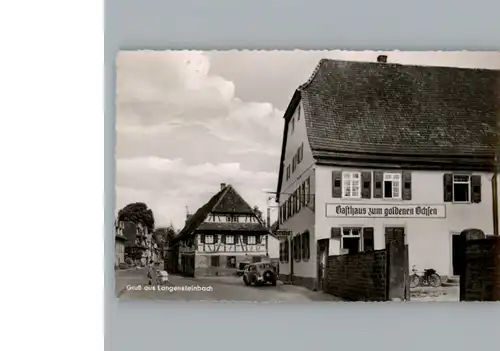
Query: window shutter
[
  {"x": 378, "y": 177},
  {"x": 448, "y": 187},
  {"x": 308, "y": 245},
  {"x": 202, "y": 238},
  {"x": 299, "y": 248},
  {"x": 475, "y": 182},
  {"x": 337, "y": 184},
  {"x": 223, "y": 239},
  {"x": 366, "y": 179},
  {"x": 368, "y": 239},
  {"x": 406, "y": 185},
  {"x": 245, "y": 239},
  {"x": 336, "y": 233},
  {"x": 257, "y": 239},
  {"x": 216, "y": 238},
  {"x": 287, "y": 250}
]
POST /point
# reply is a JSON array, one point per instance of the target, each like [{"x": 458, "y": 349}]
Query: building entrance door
[{"x": 456, "y": 256}]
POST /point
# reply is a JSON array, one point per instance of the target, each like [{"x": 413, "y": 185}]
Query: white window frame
[
  {"x": 207, "y": 237},
  {"x": 468, "y": 182},
  {"x": 394, "y": 178},
  {"x": 349, "y": 179},
  {"x": 359, "y": 235},
  {"x": 251, "y": 240},
  {"x": 230, "y": 242}
]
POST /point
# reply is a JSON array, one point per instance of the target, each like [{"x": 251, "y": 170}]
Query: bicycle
[{"x": 430, "y": 277}]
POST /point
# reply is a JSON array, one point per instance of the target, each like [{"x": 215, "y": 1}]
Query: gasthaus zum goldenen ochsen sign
[{"x": 386, "y": 211}]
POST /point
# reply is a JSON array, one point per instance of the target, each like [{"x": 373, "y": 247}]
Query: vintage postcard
[{"x": 303, "y": 176}]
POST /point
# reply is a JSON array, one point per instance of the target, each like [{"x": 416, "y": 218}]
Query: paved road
[
  {"x": 440, "y": 294},
  {"x": 221, "y": 289}
]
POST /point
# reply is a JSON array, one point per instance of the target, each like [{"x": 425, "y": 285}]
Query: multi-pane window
[
  {"x": 461, "y": 188},
  {"x": 251, "y": 240},
  {"x": 209, "y": 239},
  {"x": 392, "y": 185},
  {"x": 229, "y": 239},
  {"x": 351, "y": 184},
  {"x": 351, "y": 239}
]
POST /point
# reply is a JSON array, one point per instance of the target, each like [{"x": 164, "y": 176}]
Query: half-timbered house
[
  {"x": 376, "y": 151},
  {"x": 221, "y": 234}
]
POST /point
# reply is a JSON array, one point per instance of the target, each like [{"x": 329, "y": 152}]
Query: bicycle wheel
[
  {"x": 434, "y": 280},
  {"x": 414, "y": 280}
]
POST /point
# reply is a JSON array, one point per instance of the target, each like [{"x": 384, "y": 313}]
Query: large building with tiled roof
[
  {"x": 221, "y": 234},
  {"x": 376, "y": 150}
]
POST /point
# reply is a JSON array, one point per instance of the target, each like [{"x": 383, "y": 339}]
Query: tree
[
  {"x": 138, "y": 212},
  {"x": 163, "y": 236}
]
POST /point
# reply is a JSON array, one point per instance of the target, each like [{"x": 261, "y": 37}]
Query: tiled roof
[
  {"x": 232, "y": 202},
  {"x": 389, "y": 108},
  {"x": 226, "y": 201}
]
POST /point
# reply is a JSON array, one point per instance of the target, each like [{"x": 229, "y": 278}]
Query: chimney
[
  {"x": 382, "y": 58},
  {"x": 222, "y": 186}
]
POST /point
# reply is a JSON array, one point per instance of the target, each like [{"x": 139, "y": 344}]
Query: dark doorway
[
  {"x": 456, "y": 250},
  {"x": 231, "y": 262},
  {"x": 322, "y": 250},
  {"x": 214, "y": 261}
]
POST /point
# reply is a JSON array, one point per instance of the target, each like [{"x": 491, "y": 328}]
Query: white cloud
[{"x": 165, "y": 185}]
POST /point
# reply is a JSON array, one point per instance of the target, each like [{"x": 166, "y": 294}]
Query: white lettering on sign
[{"x": 386, "y": 211}]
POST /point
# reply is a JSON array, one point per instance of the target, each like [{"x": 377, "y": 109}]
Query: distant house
[
  {"x": 135, "y": 244},
  {"x": 374, "y": 152},
  {"x": 221, "y": 234}
]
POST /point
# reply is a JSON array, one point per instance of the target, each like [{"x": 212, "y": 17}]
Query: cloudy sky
[{"x": 187, "y": 121}]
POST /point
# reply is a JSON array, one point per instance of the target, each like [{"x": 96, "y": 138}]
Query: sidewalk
[{"x": 440, "y": 294}]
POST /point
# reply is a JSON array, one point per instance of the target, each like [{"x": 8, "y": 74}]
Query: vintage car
[{"x": 259, "y": 274}]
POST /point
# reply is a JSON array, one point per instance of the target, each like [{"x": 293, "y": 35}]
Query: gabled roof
[
  {"x": 232, "y": 202},
  {"x": 226, "y": 201},
  {"x": 400, "y": 109},
  {"x": 366, "y": 108}
]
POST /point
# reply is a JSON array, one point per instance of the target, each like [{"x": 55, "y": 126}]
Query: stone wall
[
  {"x": 358, "y": 277},
  {"x": 480, "y": 277}
]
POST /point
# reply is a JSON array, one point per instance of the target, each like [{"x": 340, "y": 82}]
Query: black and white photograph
[{"x": 307, "y": 176}]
